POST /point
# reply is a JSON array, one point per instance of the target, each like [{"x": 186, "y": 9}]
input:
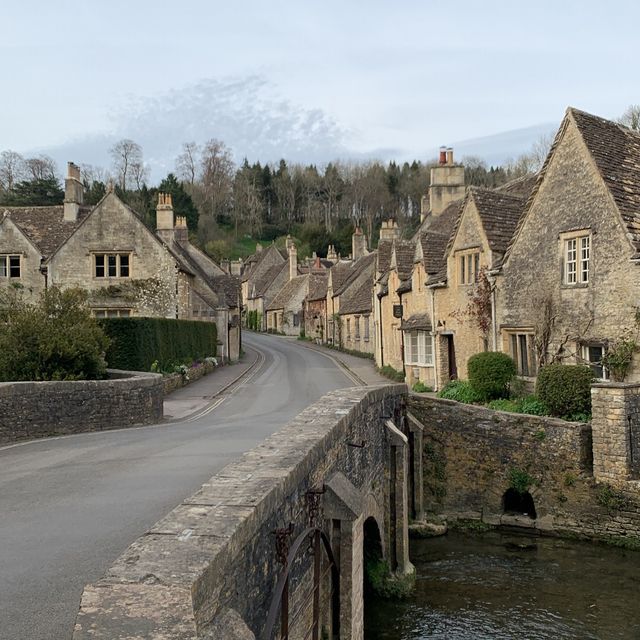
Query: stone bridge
[{"x": 275, "y": 545}]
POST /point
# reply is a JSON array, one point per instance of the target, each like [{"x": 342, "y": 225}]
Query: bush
[
  {"x": 565, "y": 389},
  {"x": 461, "y": 391},
  {"x": 502, "y": 404},
  {"x": 389, "y": 372},
  {"x": 529, "y": 405},
  {"x": 421, "y": 387},
  {"x": 53, "y": 339},
  {"x": 490, "y": 373},
  {"x": 136, "y": 343}
]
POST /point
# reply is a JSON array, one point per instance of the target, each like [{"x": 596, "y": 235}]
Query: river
[{"x": 502, "y": 586}]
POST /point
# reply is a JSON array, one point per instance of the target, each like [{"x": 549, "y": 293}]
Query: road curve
[{"x": 69, "y": 506}]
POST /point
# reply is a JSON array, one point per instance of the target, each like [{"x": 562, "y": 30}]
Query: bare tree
[
  {"x": 216, "y": 176},
  {"x": 126, "y": 155},
  {"x": 631, "y": 117},
  {"x": 187, "y": 162},
  {"x": 91, "y": 173},
  {"x": 41, "y": 168},
  {"x": 12, "y": 169},
  {"x": 139, "y": 174}
]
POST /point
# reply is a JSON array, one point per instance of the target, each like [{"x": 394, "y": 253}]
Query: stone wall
[
  {"x": 41, "y": 409},
  {"x": 212, "y": 562},
  {"x": 473, "y": 455}
]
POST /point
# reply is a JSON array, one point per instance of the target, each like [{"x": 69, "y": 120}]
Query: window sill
[{"x": 577, "y": 285}]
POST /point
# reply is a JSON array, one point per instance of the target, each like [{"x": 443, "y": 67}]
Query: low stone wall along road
[{"x": 70, "y": 506}]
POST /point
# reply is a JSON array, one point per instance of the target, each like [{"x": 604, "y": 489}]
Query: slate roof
[
  {"x": 339, "y": 273},
  {"x": 500, "y": 213},
  {"x": 417, "y": 321},
  {"x": 229, "y": 286},
  {"x": 615, "y": 149},
  {"x": 264, "y": 281},
  {"x": 521, "y": 187},
  {"x": 45, "y": 226},
  {"x": 384, "y": 256},
  {"x": 290, "y": 290},
  {"x": 355, "y": 269},
  {"x": 357, "y": 297},
  {"x": 435, "y": 238},
  {"x": 616, "y": 152},
  {"x": 404, "y": 251},
  {"x": 318, "y": 286}
]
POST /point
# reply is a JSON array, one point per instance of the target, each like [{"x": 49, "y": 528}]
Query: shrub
[
  {"x": 389, "y": 372},
  {"x": 503, "y": 404},
  {"x": 565, "y": 389},
  {"x": 533, "y": 406},
  {"x": 461, "y": 391},
  {"x": 490, "y": 373},
  {"x": 421, "y": 387},
  {"x": 520, "y": 480},
  {"x": 53, "y": 339},
  {"x": 138, "y": 344}
]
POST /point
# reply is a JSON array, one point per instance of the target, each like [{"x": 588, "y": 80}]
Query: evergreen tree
[
  {"x": 34, "y": 193},
  {"x": 182, "y": 202}
]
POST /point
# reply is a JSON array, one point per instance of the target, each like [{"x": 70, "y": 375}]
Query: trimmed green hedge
[
  {"x": 566, "y": 390},
  {"x": 490, "y": 373},
  {"x": 136, "y": 343}
]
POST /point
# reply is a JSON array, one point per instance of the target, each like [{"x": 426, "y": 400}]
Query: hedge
[
  {"x": 136, "y": 343},
  {"x": 565, "y": 389},
  {"x": 490, "y": 373}
]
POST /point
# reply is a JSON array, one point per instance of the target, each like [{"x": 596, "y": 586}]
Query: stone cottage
[
  {"x": 126, "y": 268},
  {"x": 568, "y": 285}
]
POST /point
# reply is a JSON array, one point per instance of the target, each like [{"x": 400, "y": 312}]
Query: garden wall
[
  {"x": 474, "y": 455},
  {"x": 41, "y": 409}
]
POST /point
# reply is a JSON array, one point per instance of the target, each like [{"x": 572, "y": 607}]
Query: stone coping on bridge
[
  {"x": 172, "y": 581},
  {"x": 51, "y": 408}
]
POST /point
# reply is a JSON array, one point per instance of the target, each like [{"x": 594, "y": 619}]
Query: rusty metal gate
[{"x": 311, "y": 540}]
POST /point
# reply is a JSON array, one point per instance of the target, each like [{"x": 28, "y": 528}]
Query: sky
[{"x": 308, "y": 81}]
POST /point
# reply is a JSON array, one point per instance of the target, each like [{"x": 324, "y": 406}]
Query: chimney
[
  {"x": 389, "y": 230},
  {"x": 73, "y": 193},
  {"x": 331, "y": 253},
  {"x": 358, "y": 244},
  {"x": 446, "y": 185},
  {"x": 293, "y": 260},
  {"x": 258, "y": 247},
  {"x": 181, "y": 233},
  {"x": 164, "y": 217}
]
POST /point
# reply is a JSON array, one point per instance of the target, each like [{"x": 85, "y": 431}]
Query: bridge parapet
[{"x": 210, "y": 567}]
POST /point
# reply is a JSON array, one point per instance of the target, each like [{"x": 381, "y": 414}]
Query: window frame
[
  {"x": 577, "y": 257},
  {"x": 594, "y": 365},
  {"x": 520, "y": 345},
  {"x": 418, "y": 348},
  {"x": 468, "y": 265},
  {"x": 113, "y": 264},
  {"x": 10, "y": 265},
  {"x": 103, "y": 312}
]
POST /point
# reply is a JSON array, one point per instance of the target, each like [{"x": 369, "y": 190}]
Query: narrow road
[{"x": 69, "y": 506}]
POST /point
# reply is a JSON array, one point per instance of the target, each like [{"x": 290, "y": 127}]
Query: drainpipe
[
  {"x": 381, "y": 338},
  {"x": 45, "y": 274},
  {"x": 494, "y": 322},
  {"x": 404, "y": 371},
  {"x": 433, "y": 331}
]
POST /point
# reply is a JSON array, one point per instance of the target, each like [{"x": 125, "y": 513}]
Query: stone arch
[{"x": 514, "y": 502}]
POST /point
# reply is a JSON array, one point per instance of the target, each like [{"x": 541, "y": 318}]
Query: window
[
  {"x": 577, "y": 254},
  {"x": 522, "y": 350},
  {"x": 366, "y": 328},
  {"x": 592, "y": 355},
  {"x": 418, "y": 348},
  {"x": 9, "y": 266},
  {"x": 296, "y": 320},
  {"x": 357, "y": 319},
  {"x": 111, "y": 313},
  {"x": 348, "y": 328},
  {"x": 111, "y": 265},
  {"x": 469, "y": 267}
]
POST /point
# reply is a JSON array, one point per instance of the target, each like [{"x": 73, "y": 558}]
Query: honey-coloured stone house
[{"x": 126, "y": 268}]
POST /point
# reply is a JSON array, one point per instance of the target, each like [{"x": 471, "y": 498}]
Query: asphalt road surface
[{"x": 70, "y": 506}]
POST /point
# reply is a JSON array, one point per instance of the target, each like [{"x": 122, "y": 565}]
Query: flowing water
[{"x": 501, "y": 586}]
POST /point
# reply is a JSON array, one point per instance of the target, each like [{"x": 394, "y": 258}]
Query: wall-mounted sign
[{"x": 397, "y": 311}]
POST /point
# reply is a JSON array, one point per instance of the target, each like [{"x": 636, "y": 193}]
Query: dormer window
[
  {"x": 576, "y": 258},
  {"x": 468, "y": 267}
]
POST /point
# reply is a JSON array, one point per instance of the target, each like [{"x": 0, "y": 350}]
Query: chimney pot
[
  {"x": 450, "y": 155},
  {"x": 443, "y": 156}
]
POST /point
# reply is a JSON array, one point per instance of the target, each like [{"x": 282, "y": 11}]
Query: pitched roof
[
  {"x": 499, "y": 213},
  {"x": 404, "y": 251},
  {"x": 519, "y": 186},
  {"x": 318, "y": 286},
  {"x": 616, "y": 152},
  {"x": 266, "y": 279},
  {"x": 385, "y": 247},
  {"x": 45, "y": 226},
  {"x": 357, "y": 297},
  {"x": 615, "y": 149},
  {"x": 355, "y": 269},
  {"x": 290, "y": 290},
  {"x": 339, "y": 273},
  {"x": 229, "y": 287},
  {"x": 435, "y": 237}
]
